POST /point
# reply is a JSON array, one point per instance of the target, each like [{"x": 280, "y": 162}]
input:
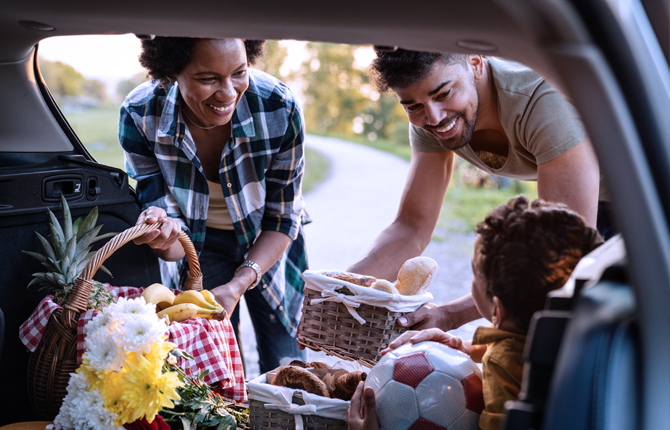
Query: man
[{"x": 499, "y": 116}]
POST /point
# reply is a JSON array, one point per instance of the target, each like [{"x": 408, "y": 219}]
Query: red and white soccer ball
[{"x": 427, "y": 386}]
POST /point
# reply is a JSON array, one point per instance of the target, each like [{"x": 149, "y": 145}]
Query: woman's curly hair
[
  {"x": 529, "y": 249},
  {"x": 168, "y": 56},
  {"x": 402, "y": 68}
]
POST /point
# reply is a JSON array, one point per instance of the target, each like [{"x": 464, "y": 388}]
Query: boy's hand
[
  {"x": 362, "y": 414},
  {"x": 434, "y": 334}
]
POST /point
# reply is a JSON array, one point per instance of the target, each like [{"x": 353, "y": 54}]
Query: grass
[
  {"x": 317, "y": 169},
  {"x": 401, "y": 149},
  {"x": 464, "y": 205},
  {"x": 97, "y": 129}
]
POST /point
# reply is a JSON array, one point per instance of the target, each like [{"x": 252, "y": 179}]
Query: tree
[
  {"x": 66, "y": 83},
  {"x": 340, "y": 99},
  {"x": 124, "y": 87}
]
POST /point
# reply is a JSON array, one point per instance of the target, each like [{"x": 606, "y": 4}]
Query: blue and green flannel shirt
[{"x": 261, "y": 173}]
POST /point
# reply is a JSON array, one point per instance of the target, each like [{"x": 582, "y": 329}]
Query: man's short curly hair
[
  {"x": 402, "y": 68},
  {"x": 168, "y": 56},
  {"x": 529, "y": 249}
]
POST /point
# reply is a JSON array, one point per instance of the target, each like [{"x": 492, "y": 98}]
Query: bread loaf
[
  {"x": 416, "y": 275},
  {"x": 384, "y": 285}
]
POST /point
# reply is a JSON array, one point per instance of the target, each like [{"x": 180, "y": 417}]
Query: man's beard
[{"x": 459, "y": 141}]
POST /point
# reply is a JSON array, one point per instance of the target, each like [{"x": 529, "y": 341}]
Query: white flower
[
  {"x": 140, "y": 332},
  {"x": 103, "y": 352},
  {"x": 101, "y": 321},
  {"x": 130, "y": 307}
]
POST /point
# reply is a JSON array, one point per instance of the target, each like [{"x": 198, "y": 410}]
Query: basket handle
[{"x": 77, "y": 302}]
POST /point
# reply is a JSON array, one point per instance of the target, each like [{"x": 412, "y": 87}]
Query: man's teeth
[{"x": 448, "y": 127}]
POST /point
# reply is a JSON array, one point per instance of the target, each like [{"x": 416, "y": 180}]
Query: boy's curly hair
[
  {"x": 529, "y": 249},
  {"x": 402, "y": 68},
  {"x": 168, "y": 56}
]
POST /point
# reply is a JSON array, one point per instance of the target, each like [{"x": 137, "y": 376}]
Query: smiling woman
[{"x": 217, "y": 150}]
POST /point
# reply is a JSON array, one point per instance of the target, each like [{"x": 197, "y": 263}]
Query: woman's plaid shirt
[{"x": 261, "y": 173}]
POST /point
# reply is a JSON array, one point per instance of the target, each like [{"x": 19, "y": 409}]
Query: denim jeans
[{"x": 220, "y": 257}]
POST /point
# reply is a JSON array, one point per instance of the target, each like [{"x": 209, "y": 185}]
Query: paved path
[{"x": 349, "y": 209}]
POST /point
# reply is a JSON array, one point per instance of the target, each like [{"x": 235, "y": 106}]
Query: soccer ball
[{"x": 427, "y": 386}]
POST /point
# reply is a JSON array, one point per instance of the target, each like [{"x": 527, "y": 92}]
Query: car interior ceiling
[{"x": 608, "y": 334}]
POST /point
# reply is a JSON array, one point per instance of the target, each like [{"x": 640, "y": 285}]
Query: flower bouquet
[{"x": 129, "y": 375}]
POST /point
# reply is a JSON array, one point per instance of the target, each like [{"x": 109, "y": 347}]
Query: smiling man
[{"x": 500, "y": 117}]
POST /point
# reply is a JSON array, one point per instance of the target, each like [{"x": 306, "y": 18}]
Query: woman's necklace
[{"x": 194, "y": 123}]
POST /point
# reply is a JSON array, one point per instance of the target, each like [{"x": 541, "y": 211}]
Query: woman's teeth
[
  {"x": 220, "y": 109},
  {"x": 448, "y": 127}
]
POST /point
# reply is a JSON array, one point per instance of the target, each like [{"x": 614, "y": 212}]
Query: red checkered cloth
[{"x": 212, "y": 344}]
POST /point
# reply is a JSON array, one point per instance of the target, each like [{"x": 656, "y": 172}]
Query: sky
[{"x": 112, "y": 58}]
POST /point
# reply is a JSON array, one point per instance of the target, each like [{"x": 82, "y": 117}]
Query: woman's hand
[
  {"x": 163, "y": 241},
  {"x": 362, "y": 414},
  {"x": 433, "y": 334},
  {"x": 228, "y": 295}
]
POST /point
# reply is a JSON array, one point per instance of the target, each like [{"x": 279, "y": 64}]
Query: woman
[{"x": 217, "y": 150}]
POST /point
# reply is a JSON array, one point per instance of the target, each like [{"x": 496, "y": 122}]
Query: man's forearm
[
  {"x": 460, "y": 311},
  {"x": 395, "y": 245}
]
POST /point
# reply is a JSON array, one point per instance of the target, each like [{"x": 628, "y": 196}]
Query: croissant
[
  {"x": 301, "y": 379},
  {"x": 345, "y": 384}
]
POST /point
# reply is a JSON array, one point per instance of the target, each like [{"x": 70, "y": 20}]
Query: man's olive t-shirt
[{"x": 539, "y": 122}]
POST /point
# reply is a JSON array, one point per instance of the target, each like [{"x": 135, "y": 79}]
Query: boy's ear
[{"x": 499, "y": 314}]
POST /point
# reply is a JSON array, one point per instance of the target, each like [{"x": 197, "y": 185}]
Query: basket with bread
[
  {"x": 353, "y": 316},
  {"x": 304, "y": 395}
]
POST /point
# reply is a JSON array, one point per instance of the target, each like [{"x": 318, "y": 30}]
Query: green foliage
[
  {"x": 201, "y": 408},
  {"x": 272, "y": 61},
  {"x": 124, "y": 87},
  {"x": 465, "y": 206},
  {"x": 64, "y": 82},
  {"x": 340, "y": 99}
]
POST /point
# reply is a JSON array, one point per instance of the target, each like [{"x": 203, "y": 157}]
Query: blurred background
[
  {"x": 357, "y": 152},
  {"x": 89, "y": 76}
]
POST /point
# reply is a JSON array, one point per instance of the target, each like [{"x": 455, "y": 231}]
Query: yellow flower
[{"x": 146, "y": 389}]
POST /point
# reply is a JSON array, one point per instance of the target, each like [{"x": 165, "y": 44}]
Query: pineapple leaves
[
  {"x": 104, "y": 269},
  {"x": 37, "y": 255},
  {"x": 57, "y": 235},
  {"x": 87, "y": 238},
  {"x": 70, "y": 249},
  {"x": 47, "y": 247},
  {"x": 67, "y": 219},
  {"x": 76, "y": 225},
  {"x": 89, "y": 222}
]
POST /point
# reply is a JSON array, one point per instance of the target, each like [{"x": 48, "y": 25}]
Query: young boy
[{"x": 523, "y": 250}]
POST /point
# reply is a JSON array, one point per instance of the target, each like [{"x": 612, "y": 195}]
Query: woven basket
[
  {"x": 261, "y": 418},
  {"x": 329, "y": 327},
  {"x": 50, "y": 365}
]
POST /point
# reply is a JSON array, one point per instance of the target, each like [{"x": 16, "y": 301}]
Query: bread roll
[
  {"x": 416, "y": 275},
  {"x": 360, "y": 280},
  {"x": 384, "y": 285},
  {"x": 301, "y": 379}
]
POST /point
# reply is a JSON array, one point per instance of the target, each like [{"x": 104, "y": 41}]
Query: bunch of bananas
[{"x": 186, "y": 305}]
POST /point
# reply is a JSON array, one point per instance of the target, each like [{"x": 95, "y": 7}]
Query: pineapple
[{"x": 67, "y": 255}]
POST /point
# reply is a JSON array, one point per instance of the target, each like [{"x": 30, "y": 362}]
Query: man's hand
[
  {"x": 432, "y": 334},
  {"x": 362, "y": 414},
  {"x": 447, "y": 316}
]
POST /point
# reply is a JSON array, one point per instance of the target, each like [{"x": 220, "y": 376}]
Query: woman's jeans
[{"x": 220, "y": 257}]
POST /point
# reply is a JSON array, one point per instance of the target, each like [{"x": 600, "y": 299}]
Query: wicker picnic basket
[
  {"x": 329, "y": 327},
  {"x": 50, "y": 365},
  {"x": 261, "y": 418}
]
